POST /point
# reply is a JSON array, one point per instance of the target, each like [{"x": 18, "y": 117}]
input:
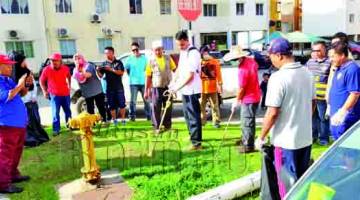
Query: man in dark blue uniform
[{"x": 344, "y": 92}]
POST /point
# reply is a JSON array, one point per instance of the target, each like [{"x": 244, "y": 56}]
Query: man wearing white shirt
[{"x": 188, "y": 82}]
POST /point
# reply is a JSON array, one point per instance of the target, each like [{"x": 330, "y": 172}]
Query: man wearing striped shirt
[{"x": 319, "y": 65}]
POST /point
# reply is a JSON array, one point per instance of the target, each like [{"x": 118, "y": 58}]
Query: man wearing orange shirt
[{"x": 211, "y": 86}]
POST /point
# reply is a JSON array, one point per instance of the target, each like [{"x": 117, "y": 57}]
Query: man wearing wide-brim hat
[
  {"x": 13, "y": 122},
  {"x": 248, "y": 95}
]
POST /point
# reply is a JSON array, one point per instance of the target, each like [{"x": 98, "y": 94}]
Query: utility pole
[{"x": 297, "y": 15}]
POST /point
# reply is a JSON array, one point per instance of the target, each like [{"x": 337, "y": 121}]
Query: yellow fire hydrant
[{"x": 84, "y": 122}]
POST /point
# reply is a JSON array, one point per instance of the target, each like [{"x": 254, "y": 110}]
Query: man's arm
[
  {"x": 19, "y": 89},
  {"x": 351, "y": 101},
  {"x": 313, "y": 105},
  {"x": 43, "y": 84},
  {"x": 240, "y": 94},
  {"x": 69, "y": 79},
  {"x": 185, "y": 81},
  {"x": 99, "y": 74},
  {"x": 219, "y": 77},
  {"x": 270, "y": 118}
]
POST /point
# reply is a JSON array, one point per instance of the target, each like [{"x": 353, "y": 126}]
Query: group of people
[
  {"x": 304, "y": 103},
  {"x": 327, "y": 89}
]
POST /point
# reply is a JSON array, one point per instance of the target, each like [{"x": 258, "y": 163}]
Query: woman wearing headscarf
[
  {"x": 90, "y": 85},
  {"x": 35, "y": 134}
]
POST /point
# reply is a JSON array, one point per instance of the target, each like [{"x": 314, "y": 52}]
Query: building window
[
  {"x": 168, "y": 43},
  {"x": 135, "y": 6},
  {"x": 103, "y": 43},
  {"x": 63, "y": 6},
  {"x": 165, "y": 7},
  {"x": 210, "y": 10},
  {"x": 26, "y": 47},
  {"x": 240, "y": 9},
  {"x": 102, "y": 6},
  {"x": 259, "y": 9},
  {"x": 352, "y": 18},
  {"x": 67, "y": 47},
  {"x": 14, "y": 6},
  {"x": 140, "y": 41}
]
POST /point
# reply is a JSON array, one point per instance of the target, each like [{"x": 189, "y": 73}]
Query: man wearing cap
[
  {"x": 248, "y": 95},
  {"x": 158, "y": 76},
  {"x": 188, "y": 82},
  {"x": 13, "y": 122},
  {"x": 344, "y": 92},
  {"x": 55, "y": 83},
  {"x": 211, "y": 86},
  {"x": 290, "y": 100},
  {"x": 135, "y": 67}
]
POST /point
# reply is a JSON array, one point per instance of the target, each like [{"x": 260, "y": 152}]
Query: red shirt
[
  {"x": 248, "y": 79},
  {"x": 56, "y": 80}
]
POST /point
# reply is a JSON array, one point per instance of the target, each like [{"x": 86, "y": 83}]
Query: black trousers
[
  {"x": 158, "y": 102},
  {"x": 100, "y": 104},
  {"x": 192, "y": 114}
]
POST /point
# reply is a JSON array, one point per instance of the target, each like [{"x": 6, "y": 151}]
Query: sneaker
[
  {"x": 238, "y": 142},
  {"x": 55, "y": 133},
  {"x": 216, "y": 125},
  {"x": 11, "y": 190},
  {"x": 245, "y": 149},
  {"x": 19, "y": 179},
  {"x": 195, "y": 148},
  {"x": 132, "y": 119},
  {"x": 123, "y": 122}
]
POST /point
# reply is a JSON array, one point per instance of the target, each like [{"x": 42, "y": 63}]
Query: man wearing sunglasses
[
  {"x": 319, "y": 65},
  {"x": 135, "y": 67}
]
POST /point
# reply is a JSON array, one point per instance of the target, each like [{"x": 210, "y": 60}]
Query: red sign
[{"x": 190, "y": 9}]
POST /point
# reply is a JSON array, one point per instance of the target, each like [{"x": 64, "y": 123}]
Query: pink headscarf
[{"x": 82, "y": 64}]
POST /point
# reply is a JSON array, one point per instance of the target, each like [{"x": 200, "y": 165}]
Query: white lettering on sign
[{"x": 188, "y": 5}]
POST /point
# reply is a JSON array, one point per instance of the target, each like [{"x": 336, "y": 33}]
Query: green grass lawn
[{"x": 171, "y": 172}]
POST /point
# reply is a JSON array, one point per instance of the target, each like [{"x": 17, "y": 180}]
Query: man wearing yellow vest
[
  {"x": 158, "y": 76},
  {"x": 319, "y": 65}
]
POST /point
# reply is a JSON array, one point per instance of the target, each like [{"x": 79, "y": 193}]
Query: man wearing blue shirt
[
  {"x": 13, "y": 122},
  {"x": 344, "y": 91},
  {"x": 135, "y": 67}
]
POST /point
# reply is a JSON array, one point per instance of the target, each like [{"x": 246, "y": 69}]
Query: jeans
[
  {"x": 248, "y": 123},
  {"x": 191, "y": 108},
  {"x": 322, "y": 124},
  {"x": 134, "y": 89},
  {"x": 100, "y": 104},
  {"x": 56, "y": 102}
]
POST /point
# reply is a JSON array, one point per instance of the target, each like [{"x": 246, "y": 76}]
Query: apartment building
[
  {"x": 41, "y": 27},
  {"x": 326, "y": 17},
  {"x": 22, "y": 28},
  {"x": 230, "y": 22}
]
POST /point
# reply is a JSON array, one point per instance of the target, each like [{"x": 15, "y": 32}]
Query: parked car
[
  {"x": 66, "y": 59},
  {"x": 336, "y": 175}
]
